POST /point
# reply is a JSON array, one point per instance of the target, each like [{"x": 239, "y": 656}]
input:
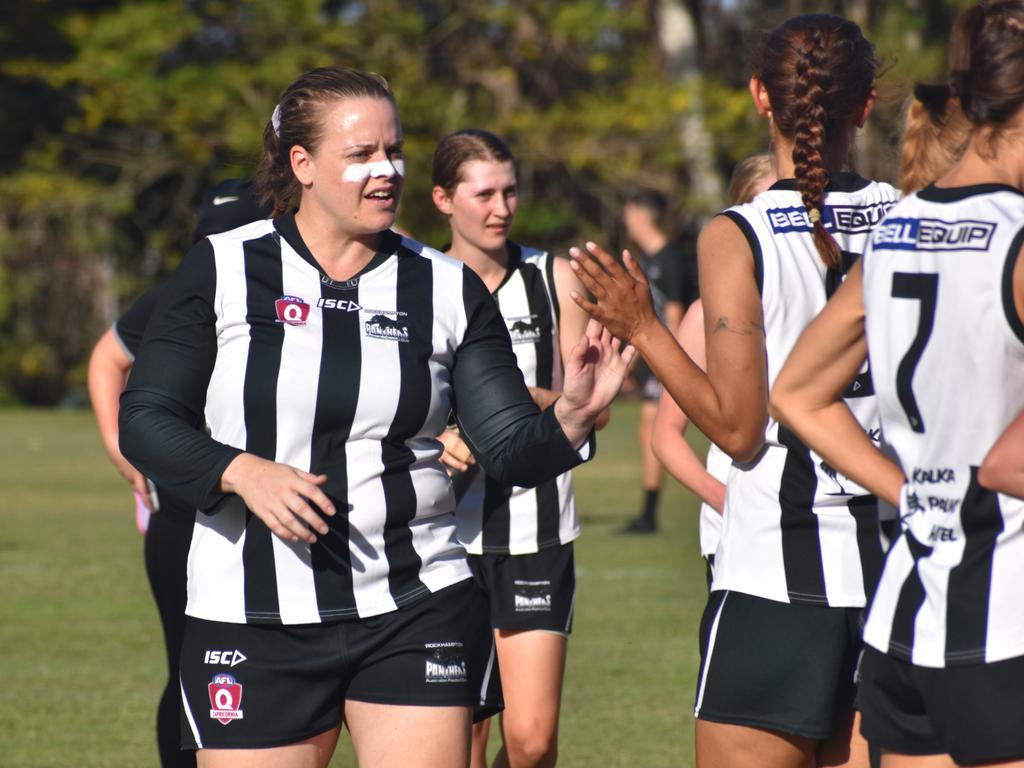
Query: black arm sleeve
[
  {"x": 131, "y": 326},
  {"x": 161, "y": 413},
  {"x": 514, "y": 442}
]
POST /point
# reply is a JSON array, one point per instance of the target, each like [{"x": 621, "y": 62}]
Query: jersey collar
[
  {"x": 838, "y": 181},
  {"x": 390, "y": 243},
  {"x": 933, "y": 194}
]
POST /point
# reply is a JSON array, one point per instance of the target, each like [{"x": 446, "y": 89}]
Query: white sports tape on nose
[{"x": 381, "y": 169}]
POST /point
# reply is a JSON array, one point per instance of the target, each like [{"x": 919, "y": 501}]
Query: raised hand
[
  {"x": 280, "y": 496},
  {"x": 622, "y": 296},
  {"x": 594, "y": 373}
]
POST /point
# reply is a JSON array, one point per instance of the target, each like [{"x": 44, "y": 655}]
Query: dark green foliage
[{"x": 120, "y": 114}]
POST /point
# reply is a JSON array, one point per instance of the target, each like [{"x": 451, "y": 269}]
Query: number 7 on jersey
[{"x": 923, "y": 287}]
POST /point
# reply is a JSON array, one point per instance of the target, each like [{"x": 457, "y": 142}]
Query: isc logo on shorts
[
  {"x": 445, "y": 663},
  {"x": 225, "y": 698},
  {"x": 230, "y": 658}
]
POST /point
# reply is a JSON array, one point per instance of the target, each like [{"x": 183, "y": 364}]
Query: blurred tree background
[{"x": 118, "y": 116}]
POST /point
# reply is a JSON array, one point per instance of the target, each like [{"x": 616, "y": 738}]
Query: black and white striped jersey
[
  {"x": 794, "y": 530},
  {"x": 710, "y": 519},
  {"x": 351, "y": 379},
  {"x": 499, "y": 519},
  {"x": 947, "y": 355}
]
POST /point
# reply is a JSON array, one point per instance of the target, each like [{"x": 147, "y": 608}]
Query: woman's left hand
[
  {"x": 622, "y": 295},
  {"x": 594, "y": 374}
]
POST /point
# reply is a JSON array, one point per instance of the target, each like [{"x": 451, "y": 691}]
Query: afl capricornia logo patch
[
  {"x": 225, "y": 698},
  {"x": 291, "y": 310}
]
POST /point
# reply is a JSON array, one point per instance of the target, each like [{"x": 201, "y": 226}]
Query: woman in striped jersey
[
  {"x": 519, "y": 539},
  {"x": 937, "y": 306},
  {"x": 752, "y": 176},
  {"x": 324, "y": 353},
  {"x": 800, "y": 544}
]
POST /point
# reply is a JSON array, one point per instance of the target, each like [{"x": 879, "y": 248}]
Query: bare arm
[
  {"x": 670, "y": 423},
  {"x": 1003, "y": 467},
  {"x": 109, "y": 365},
  {"x": 807, "y": 396},
  {"x": 730, "y": 402}
]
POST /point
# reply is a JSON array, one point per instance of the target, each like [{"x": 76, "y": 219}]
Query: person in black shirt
[
  {"x": 227, "y": 205},
  {"x": 672, "y": 274},
  {"x": 324, "y": 353}
]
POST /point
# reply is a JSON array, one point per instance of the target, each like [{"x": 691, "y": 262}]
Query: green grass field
[{"x": 81, "y": 663}]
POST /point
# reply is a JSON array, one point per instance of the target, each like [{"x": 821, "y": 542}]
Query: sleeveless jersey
[
  {"x": 498, "y": 519},
  {"x": 947, "y": 354},
  {"x": 794, "y": 530},
  {"x": 718, "y": 463}
]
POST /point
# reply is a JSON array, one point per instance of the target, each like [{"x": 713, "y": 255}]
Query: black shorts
[
  {"x": 246, "y": 685},
  {"x": 535, "y": 591},
  {"x": 776, "y": 666},
  {"x": 973, "y": 713}
]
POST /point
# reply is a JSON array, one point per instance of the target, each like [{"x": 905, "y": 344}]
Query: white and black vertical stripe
[
  {"x": 794, "y": 530},
  {"x": 299, "y": 393},
  {"x": 263, "y": 286},
  {"x": 414, "y": 292},
  {"x": 949, "y": 593},
  {"x": 494, "y": 518},
  {"x": 801, "y": 553}
]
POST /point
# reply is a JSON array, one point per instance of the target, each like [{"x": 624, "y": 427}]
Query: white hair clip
[{"x": 275, "y": 120}]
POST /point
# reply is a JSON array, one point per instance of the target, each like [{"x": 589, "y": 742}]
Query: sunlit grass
[{"x": 81, "y": 663}]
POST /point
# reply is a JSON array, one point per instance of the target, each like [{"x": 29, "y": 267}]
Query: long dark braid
[{"x": 818, "y": 70}]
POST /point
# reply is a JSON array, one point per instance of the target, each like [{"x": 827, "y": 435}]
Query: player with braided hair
[
  {"x": 801, "y": 544},
  {"x": 938, "y": 304}
]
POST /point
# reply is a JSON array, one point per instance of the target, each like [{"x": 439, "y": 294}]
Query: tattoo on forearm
[{"x": 723, "y": 323}]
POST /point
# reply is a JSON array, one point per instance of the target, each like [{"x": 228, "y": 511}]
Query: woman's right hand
[
  {"x": 280, "y": 496},
  {"x": 135, "y": 478},
  {"x": 622, "y": 296},
  {"x": 457, "y": 454}
]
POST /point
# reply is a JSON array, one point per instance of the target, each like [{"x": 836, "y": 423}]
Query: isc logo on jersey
[
  {"x": 342, "y": 304},
  {"x": 225, "y": 698},
  {"x": 902, "y": 234},
  {"x": 291, "y": 310}
]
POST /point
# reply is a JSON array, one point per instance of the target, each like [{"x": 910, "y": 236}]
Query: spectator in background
[
  {"x": 672, "y": 273},
  {"x": 227, "y": 205}
]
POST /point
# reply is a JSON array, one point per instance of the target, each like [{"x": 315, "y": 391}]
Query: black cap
[{"x": 228, "y": 205}]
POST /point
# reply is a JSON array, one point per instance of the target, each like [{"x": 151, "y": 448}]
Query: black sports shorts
[
  {"x": 258, "y": 685},
  {"x": 973, "y": 713},
  {"x": 777, "y": 666},
  {"x": 535, "y": 591}
]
